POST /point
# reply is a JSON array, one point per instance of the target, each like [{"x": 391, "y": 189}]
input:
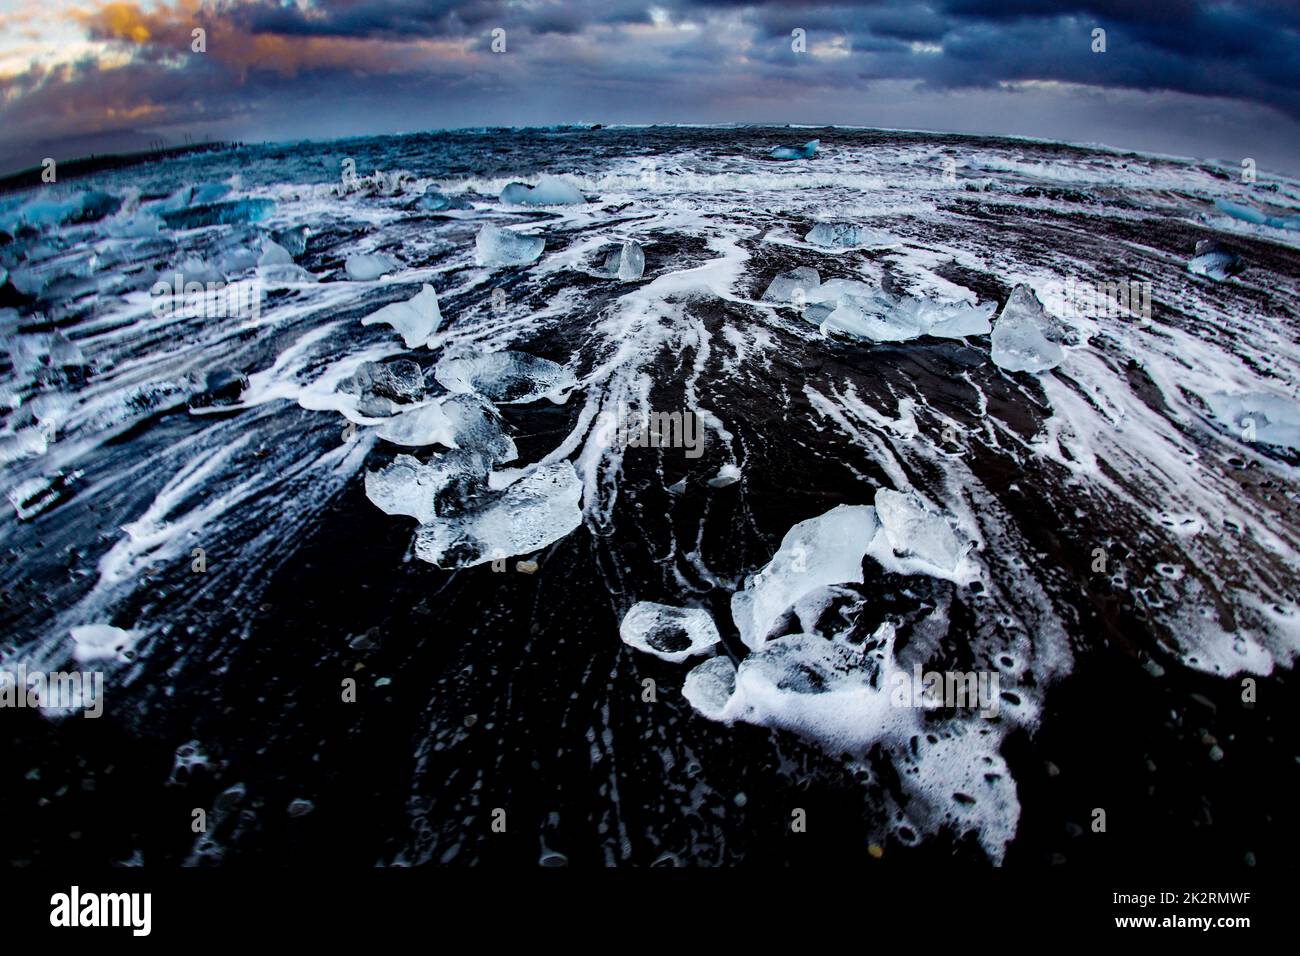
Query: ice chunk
[
  {"x": 136, "y": 225},
  {"x": 798, "y": 286},
  {"x": 881, "y": 317},
  {"x": 456, "y": 421},
  {"x": 219, "y": 214},
  {"x": 1215, "y": 261},
  {"x": 294, "y": 239},
  {"x": 875, "y": 318},
  {"x": 709, "y": 686},
  {"x": 534, "y": 511},
  {"x": 506, "y": 377},
  {"x": 1260, "y": 218},
  {"x": 221, "y": 387},
  {"x": 434, "y": 201},
  {"x": 807, "y": 151},
  {"x": 410, "y": 487},
  {"x": 274, "y": 254},
  {"x": 366, "y": 268},
  {"x": 415, "y": 320},
  {"x": 671, "y": 633},
  {"x": 818, "y": 688},
  {"x": 1259, "y": 417},
  {"x": 824, "y": 550},
  {"x": 549, "y": 191},
  {"x": 728, "y": 474},
  {"x": 914, "y": 531},
  {"x": 955, "y": 320},
  {"x": 843, "y": 235},
  {"x": 503, "y": 247},
  {"x": 626, "y": 263},
  {"x": 1025, "y": 338},
  {"x": 80, "y": 207},
  {"x": 102, "y": 641},
  {"x": 401, "y": 380},
  {"x": 24, "y": 443}
]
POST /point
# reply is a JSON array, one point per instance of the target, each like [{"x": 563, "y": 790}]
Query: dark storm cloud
[{"x": 406, "y": 63}]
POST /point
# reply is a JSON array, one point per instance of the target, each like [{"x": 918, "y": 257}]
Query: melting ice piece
[
  {"x": 274, "y": 254},
  {"x": 366, "y": 268},
  {"x": 411, "y": 487},
  {"x": 881, "y": 317},
  {"x": 434, "y": 201},
  {"x": 821, "y": 689},
  {"x": 534, "y": 511},
  {"x": 709, "y": 686},
  {"x": 955, "y": 320},
  {"x": 495, "y": 246},
  {"x": 293, "y": 239},
  {"x": 1025, "y": 338},
  {"x": 456, "y": 421},
  {"x": 100, "y": 641},
  {"x": 842, "y": 235},
  {"x": 401, "y": 380},
  {"x": 807, "y": 151},
  {"x": 221, "y": 387},
  {"x": 875, "y": 318},
  {"x": 219, "y": 214},
  {"x": 671, "y": 633},
  {"x": 506, "y": 377},
  {"x": 824, "y": 550},
  {"x": 1259, "y": 417},
  {"x": 914, "y": 531},
  {"x": 1251, "y": 214},
  {"x": 728, "y": 474},
  {"x": 549, "y": 191},
  {"x": 415, "y": 320},
  {"x": 1215, "y": 262},
  {"x": 626, "y": 263},
  {"x": 799, "y": 286}
]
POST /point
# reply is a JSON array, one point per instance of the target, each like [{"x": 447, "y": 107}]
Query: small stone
[
  {"x": 1216, "y": 754},
  {"x": 471, "y": 720},
  {"x": 298, "y": 807},
  {"x": 526, "y": 567},
  {"x": 875, "y": 851},
  {"x": 1053, "y": 770}
]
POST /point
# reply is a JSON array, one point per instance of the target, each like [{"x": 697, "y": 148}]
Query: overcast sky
[{"x": 1189, "y": 77}]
